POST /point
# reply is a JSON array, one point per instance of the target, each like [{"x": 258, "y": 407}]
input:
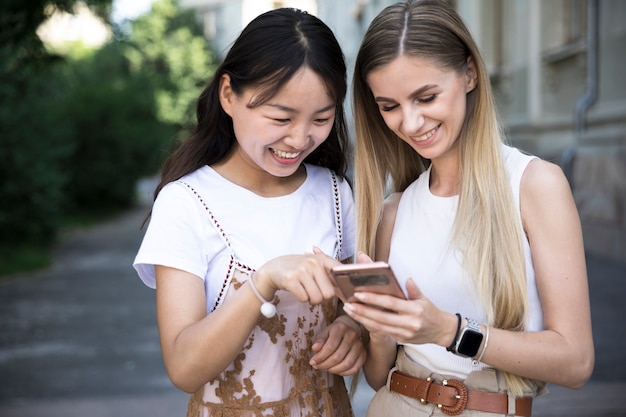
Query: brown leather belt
[{"x": 452, "y": 396}]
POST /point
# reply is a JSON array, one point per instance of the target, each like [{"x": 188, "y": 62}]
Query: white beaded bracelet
[
  {"x": 267, "y": 308},
  {"x": 475, "y": 362}
]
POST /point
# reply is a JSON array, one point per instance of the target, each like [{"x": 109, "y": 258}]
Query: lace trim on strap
[
  {"x": 233, "y": 263},
  {"x": 338, "y": 223}
]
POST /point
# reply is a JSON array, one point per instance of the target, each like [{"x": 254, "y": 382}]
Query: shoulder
[
  {"x": 544, "y": 192},
  {"x": 541, "y": 177},
  {"x": 179, "y": 198}
]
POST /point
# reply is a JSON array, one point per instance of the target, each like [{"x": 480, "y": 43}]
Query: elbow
[
  {"x": 184, "y": 379},
  {"x": 584, "y": 373},
  {"x": 581, "y": 372},
  {"x": 375, "y": 384},
  {"x": 375, "y": 380},
  {"x": 183, "y": 383}
]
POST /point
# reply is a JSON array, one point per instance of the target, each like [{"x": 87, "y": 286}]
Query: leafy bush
[
  {"x": 117, "y": 136},
  {"x": 35, "y": 145},
  {"x": 77, "y": 133}
]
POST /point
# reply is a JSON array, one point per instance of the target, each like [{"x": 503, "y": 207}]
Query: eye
[
  {"x": 321, "y": 121},
  {"x": 388, "y": 108},
  {"x": 427, "y": 99},
  {"x": 282, "y": 121}
]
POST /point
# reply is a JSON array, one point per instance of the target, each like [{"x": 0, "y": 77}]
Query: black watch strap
[{"x": 452, "y": 347}]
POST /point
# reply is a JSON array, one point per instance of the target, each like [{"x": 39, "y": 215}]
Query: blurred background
[{"x": 95, "y": 93}]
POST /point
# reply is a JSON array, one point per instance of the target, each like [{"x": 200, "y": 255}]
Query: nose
[
  {"x": 412, "y": 120},
  {"x": 299, "y": 136}
]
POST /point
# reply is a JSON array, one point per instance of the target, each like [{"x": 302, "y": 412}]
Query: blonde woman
[{"x": 485, "y": 240}]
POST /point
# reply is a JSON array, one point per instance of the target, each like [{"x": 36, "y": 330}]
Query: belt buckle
[{"x": 461, "y": 397}]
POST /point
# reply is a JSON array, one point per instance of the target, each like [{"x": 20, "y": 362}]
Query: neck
[
  {"x": 445, "y": 177},
  {"x": 255, "y": 179}
]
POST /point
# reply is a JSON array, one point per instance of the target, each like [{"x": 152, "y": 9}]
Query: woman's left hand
[
  {"x": 416, "y": 320},
  {"x": 338, "y": 348}
]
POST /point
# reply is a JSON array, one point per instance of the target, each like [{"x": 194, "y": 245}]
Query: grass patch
[
  {"x": 26, "y": 258},
  {"x": 85, "y": 219},
  {"x": 18, "y": 259}
]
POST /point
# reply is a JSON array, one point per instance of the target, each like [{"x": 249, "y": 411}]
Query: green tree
[
  {"x": 76, "y": 132},
  {"x": 117, "y": 136},
  {"x": 19, "y": 20},
  {"x": 34, "y": 139},
  {"x": 169, "y": 45},
  {"x": 129, "y": 101}
]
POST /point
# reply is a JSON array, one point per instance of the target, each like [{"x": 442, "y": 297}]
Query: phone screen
[{"x": 368, "y": 277}]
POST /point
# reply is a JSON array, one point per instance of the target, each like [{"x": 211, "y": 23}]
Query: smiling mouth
[
  {"x": 285, "y": 155},
  {"x": 425, "y": 135}
]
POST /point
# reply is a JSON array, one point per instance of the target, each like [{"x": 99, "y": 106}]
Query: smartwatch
[{"x": 469, "y": 340}]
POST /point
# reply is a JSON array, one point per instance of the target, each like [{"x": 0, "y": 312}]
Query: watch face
[{"x": 470, "y": 342}]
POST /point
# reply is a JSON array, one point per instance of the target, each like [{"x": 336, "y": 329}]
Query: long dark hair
[{"x": 267, "y": 53}]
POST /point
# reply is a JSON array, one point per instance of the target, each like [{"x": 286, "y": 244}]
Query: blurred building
[
  {"x": 557, "y": 68},
  {"x": 224, "y": 19}
]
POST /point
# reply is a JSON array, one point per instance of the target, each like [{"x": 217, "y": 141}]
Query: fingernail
[
  {"x": 359, "y": 296},
  {"x": 349, "y": 308}
]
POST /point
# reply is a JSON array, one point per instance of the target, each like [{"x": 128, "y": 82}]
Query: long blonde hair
[{"x": 487, "y": 227}]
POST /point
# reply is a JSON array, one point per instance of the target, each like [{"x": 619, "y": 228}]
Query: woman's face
[
  {"x": 279, "y": 134},
  {"x": 423, "y": 103}
]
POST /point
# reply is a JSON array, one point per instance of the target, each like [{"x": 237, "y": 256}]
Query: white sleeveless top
[{"x": 419, "y": 249}]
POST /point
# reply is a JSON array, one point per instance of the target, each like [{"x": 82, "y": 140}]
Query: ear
[
  {"x": 226, "y": 94},
  {"x": 471, "y": 76}
]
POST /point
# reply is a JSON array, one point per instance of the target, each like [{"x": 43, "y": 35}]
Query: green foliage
[
  {"x": 35, "y": 146},
  {"x": 169, "y": 46},
  {"x": 19, "y": 21},
  {"x": 77, "y": 132},
  {"x": 22, "y": 258},
  {"x": 118, "y": 138}
]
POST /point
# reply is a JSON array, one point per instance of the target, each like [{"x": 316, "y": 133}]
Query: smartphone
[{"x": 371, "y": 277}]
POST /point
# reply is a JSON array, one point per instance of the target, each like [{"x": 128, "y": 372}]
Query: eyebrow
[
  {"x": 415, "y": 93},
  {"x": 290, "y": 110}
]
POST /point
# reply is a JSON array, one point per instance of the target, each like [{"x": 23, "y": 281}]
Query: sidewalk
[{"x": 80, "y": 338}]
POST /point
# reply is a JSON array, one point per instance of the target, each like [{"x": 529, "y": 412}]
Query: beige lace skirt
[{"x": 332, "y": 402}]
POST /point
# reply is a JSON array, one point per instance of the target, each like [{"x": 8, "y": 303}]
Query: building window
[{"x": 564, "y": 27}]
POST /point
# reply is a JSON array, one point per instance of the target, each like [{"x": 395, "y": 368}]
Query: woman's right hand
[
  {"x": 306, "y": 276},
  {"x": 415, "y": 320}
]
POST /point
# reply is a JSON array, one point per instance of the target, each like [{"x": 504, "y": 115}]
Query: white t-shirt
[{"x": 182, "y": 234}]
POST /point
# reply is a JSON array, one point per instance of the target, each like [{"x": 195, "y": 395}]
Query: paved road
[{"x": 80, "y": 338}]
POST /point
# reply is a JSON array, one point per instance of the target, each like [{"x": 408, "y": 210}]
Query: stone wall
[{"x": 599, "y": 188}]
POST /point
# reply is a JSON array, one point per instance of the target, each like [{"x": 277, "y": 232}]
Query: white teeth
[
  {"x": 285, "y": 155},
  {"x": 425, "y": 135}
]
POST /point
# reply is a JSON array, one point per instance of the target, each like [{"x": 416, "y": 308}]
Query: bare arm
[
  {"x": 563, "y": 353},
  {"x": 197, "y": 347},
  {"x": 189, "y": 336}
]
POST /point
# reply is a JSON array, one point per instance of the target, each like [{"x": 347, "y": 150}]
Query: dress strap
[
  {"x": 234, "y": 263},
  {"x": 212, "y": 217},
  {"x": 338, "y": 223}
]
